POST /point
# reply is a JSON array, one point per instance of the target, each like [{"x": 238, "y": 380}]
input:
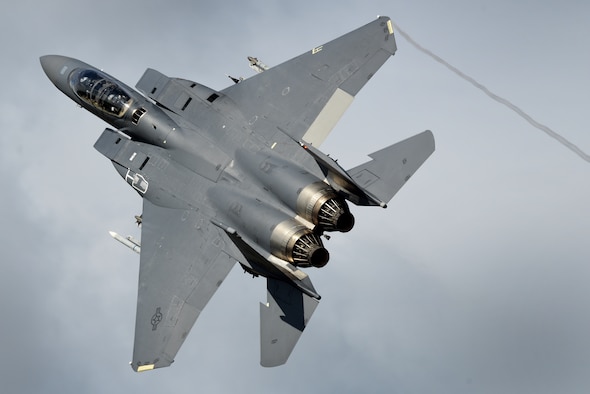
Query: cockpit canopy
[{"x": 100, "y": 91}]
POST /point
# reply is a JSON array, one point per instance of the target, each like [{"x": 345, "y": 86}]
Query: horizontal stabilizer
[
  {"x": 282, "y": 320},
  {"x": 393, "y": 166},
  {"x": 376, "y": 182}
]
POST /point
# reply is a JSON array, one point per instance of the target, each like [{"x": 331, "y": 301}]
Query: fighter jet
[{"x": 236, "y": 176}]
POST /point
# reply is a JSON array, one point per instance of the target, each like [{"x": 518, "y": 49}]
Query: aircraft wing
[
  {"x": 183, "y": 261},
  {"x": 306, "y": 96}
]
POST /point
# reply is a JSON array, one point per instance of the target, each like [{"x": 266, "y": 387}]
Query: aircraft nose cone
[
  {"x": 52, "y": 65},
  {"x": 58, "y": 69}
]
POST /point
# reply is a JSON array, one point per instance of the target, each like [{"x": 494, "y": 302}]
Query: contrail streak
[{"x": 495, "y": 97}]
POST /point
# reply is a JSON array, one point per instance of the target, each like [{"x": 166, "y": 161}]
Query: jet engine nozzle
[
  {"x": 303, "y": 192},
  {"x": 319, "y": 202},
  {"x": 294, "y": 242},
  {"x": 334, "y": 215},
  {"x": 309, "y": 251}
]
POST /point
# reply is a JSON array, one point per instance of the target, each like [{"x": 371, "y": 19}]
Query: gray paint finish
[{"x": 216, "y": 188}]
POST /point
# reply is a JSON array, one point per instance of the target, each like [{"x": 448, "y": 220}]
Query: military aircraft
[{"x": 236, "y": 176}]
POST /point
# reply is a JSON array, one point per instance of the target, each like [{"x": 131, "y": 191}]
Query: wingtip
[
  {"x": 269, "y": 364},
  {"x": 142, "y": 368}
]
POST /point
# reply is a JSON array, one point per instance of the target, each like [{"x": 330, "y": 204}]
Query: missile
[
  {"x": 257, "y": 65},
  {"x": 130, "y": 242}
]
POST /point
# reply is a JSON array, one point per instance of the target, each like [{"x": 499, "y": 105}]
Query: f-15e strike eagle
[{"x": 236, "y": 175}]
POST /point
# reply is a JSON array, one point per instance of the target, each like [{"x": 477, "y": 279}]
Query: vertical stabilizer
[{"x": 282, "y": 320}]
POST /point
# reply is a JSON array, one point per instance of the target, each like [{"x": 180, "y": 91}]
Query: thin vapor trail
[{"x": 497, "y": 98}]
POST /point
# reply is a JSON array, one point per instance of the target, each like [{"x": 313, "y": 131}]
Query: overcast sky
[{"x": 475, "y": 279}]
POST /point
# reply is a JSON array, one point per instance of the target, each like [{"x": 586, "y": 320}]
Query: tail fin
[{"x": 282, "y": 321}]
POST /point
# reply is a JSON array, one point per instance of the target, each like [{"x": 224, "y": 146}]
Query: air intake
[{"x": 137, "y": 114}]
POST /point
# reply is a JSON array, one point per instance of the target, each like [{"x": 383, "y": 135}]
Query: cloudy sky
[{"x": 474, "y": 280}]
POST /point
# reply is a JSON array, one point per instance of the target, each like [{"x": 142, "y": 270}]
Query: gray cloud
[{"x": 473, "y": 280}]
